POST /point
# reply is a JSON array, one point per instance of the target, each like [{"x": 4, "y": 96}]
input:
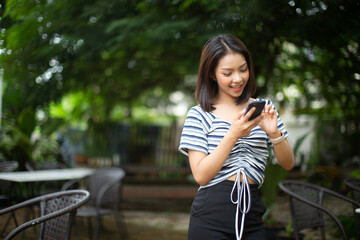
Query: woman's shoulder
[{"x": 197, "y": 110}]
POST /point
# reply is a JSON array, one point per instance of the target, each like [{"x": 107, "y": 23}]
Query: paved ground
[
  {"x": 159, "y": 197},
  {"x": 140, "y": 225},
  {"x": 151, "y": 222}
]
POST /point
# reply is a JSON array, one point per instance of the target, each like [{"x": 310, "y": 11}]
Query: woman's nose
[{"x": 237, "y": 78}]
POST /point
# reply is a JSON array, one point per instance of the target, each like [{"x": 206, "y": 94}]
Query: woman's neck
[{"x": 228, "y": 110}]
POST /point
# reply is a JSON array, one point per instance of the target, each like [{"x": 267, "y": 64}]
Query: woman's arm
[
  {"x": 283, "y": 153},
  {"x": 282, "y": 150},
  {"x": 205, "y": 167}
]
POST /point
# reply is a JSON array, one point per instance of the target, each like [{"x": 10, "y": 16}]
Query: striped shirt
[{"x": 203, "y": 132}]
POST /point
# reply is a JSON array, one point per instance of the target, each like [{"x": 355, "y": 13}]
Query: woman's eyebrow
[{"x": 225, "y": 68}]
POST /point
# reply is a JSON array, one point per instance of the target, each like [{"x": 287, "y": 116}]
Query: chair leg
[
  {"x": 75, "y": 227},
  {"x": 118, "y": 223},
  {"x": 122, "y": 229},
  {"x": 90, "y": 228},
  {"x": 97, "y": 227},
  {"x": 357, "y": 220}
]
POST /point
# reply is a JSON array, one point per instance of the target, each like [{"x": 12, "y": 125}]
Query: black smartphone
[{"x": 259, "y": 105}]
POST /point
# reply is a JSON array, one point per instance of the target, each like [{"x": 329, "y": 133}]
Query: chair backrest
[
  {"x": 104, "y": 186},
  {"x": 8, "y": 166},
  {"x": 303, "y": 214},
  {"x": 354, "y": 185},
  {"x": 32, "y": 166},
  {"x": 57, "y": 211},
  {"x": 306, "y": 205}
]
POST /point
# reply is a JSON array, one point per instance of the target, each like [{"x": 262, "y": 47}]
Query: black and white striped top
[{"x": 203, "y": 131}]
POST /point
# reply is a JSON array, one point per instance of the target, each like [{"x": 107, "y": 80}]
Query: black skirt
[{"x": 213, "y": 214}]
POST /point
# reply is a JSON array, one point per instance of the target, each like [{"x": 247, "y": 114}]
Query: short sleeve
[
  {"x": 194, "y": 135},
  {"x": 280, "y": 124}
]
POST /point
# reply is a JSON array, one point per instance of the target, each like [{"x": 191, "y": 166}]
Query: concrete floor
[{"x": 162, "y": 212}]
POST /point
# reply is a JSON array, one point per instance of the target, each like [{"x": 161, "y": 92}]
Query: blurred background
[{"x": 108, "y": 83}]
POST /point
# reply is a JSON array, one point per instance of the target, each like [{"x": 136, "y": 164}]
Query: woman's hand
[
  {"x": 269, "y": 122},
  {"x": 241, "y": 126}
]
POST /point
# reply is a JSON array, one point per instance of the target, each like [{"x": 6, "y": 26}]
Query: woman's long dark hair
[{"x": 213, "y": 50}]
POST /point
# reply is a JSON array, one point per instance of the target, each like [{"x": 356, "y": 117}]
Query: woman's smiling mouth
[{"x": 237, "y": 89}]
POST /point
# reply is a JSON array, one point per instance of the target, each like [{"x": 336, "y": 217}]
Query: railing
[{"x": 145, "y": 151}]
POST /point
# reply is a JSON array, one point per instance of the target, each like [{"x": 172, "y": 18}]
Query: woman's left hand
[{"x": 269, "y": 121}]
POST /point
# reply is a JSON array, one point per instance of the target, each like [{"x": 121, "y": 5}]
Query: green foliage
[
  {"x": 349, "y": 224},
  {"x": 17, "y": 141},
  {"x": 120, "y": 49},
  {"x": 336, "y": 142},
  {"x": 15, "y": 137},
  {"x": 115, "y": 52},
  {"x": 46, "y": 149},
  {"x": 26, "y": 121},
  {"x": 289, "y": 228},
  {"x": 274, "y": 173},
  {"x": 355, "y": 173}
]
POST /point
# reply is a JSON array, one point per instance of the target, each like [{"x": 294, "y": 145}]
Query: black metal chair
[
  {"x": 8, "y": 166},
  {"x": 307, "y": 209},
  {"x": 41, "y": 188},
  {"x": 32, "y": 166},
  {"x": 56, "y": 213},
  {"x": 105, "y": 187},
  {"x": 353, "y": 185},
  {"x": 5, "y": 188}
]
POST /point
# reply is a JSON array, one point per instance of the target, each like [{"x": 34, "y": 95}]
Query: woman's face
[{"x": 232, "y": 75}]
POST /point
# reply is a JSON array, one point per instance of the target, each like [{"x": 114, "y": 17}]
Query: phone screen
[{"x": 259, "y": 105}]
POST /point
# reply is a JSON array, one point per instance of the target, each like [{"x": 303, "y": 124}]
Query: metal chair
[
  {"x": 42, "y": 188},
  {"x": 306, "y": 206},
  {"x": 56, "y": 214},
  {"x": 105, "y": 187},
  {"x": 32, "y": 166},
  {"x": 8, "y": 166},
  {"x": 5, "y": 187},
  {"x": 353, "y": 185}
]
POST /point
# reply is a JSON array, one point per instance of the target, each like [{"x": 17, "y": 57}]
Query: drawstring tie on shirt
[{"x": 243, "y": 201}]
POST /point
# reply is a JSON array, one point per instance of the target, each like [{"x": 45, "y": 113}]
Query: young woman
[{"x": 226, "y": 150}]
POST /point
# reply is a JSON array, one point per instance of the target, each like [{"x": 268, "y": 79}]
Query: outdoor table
[
  {"x": 48, "y": 175},
  {"x": 27, "y": 178}
]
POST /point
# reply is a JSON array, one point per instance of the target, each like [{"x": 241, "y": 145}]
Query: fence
[{"x": 145, "y": 151}]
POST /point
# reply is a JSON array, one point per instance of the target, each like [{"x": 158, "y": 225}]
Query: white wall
[{"x": 297, "y": 127}]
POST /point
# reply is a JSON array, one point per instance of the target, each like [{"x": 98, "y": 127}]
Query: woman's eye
[
  {"x": 227, "y": 74},
  {"x": 244, "y": 70}
]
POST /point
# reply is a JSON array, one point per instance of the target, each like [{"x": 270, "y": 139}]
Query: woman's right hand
[{"x": 241, "y": 126}]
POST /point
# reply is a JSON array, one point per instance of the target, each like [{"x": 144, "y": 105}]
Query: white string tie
[{"x": 244, "y": 197}]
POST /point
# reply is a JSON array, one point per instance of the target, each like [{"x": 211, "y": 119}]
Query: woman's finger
[
  {"x": 249, "y": 113},
  {"x": 267, "y": 108}
]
